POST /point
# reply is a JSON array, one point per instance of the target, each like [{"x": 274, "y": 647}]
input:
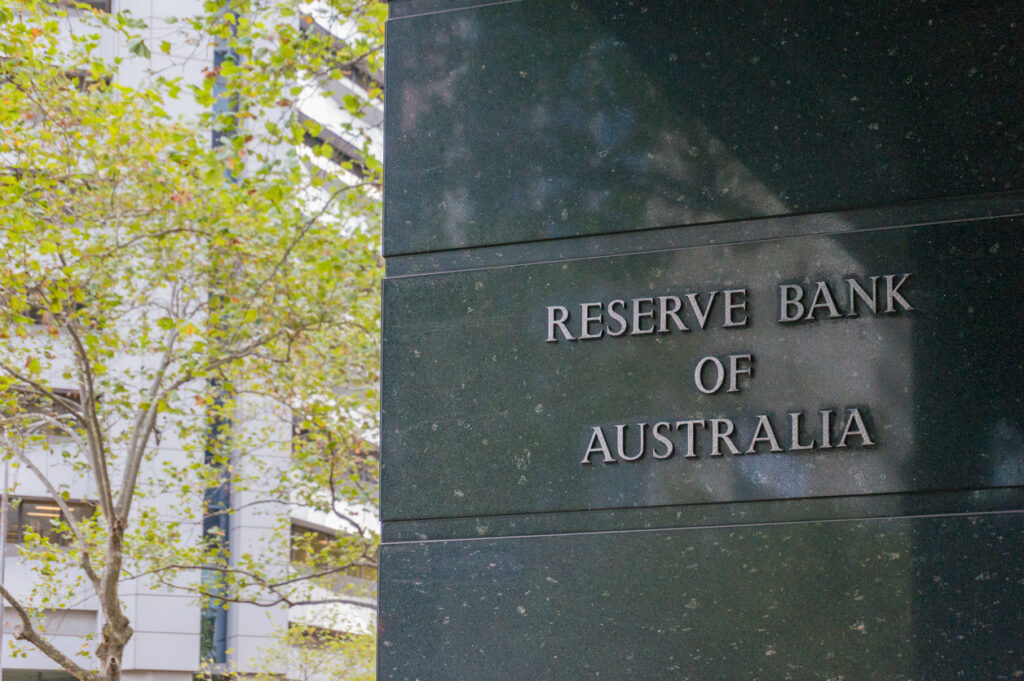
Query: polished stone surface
[
  {"x": 883, "y": 599},
  {"x": 959, "y": 502},
  {"x": 515, "y": 121},
  {"x": 494, "y": 420},
  {"x": 960, "y": 209},
  {"x": 556, "y": 152}
]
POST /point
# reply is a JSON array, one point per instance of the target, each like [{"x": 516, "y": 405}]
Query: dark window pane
[
  {"x": 40, "y": 517},
  {"x": 43, "y": 518},
  {"x": 101, "y": 5},
  {"x": 306, "y": 543}
]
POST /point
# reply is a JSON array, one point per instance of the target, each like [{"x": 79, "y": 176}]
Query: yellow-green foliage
[{"x": 164, "y": 284}]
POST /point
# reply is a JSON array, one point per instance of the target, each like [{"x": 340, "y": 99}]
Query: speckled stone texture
[
  {"x": 510, "y": 416},
  {"x": 512, "y": 121},
  {"x": 547, "y": 153},
  {"x": 901, "y": 598}
]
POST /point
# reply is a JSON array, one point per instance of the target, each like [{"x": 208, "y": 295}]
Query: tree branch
[
  {"x": 85, "y": 560},
  {"x": 273, "y": 587},
  {"x": 28, "y": 633},
  {"x": 142, "y": 428},
  {"x": 43, "y": 391},
  {"x": 308, "y": 225},
  {"x": 90, "y": 420}
]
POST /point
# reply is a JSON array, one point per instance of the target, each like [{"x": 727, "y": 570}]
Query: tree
[
  {"x": 174, "y": 310},
  {"x": 315, "y": 654}
]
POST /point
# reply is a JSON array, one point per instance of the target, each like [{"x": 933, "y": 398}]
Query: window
[
  {"x": 32, "y": 403},
  {"x": 362, "y": 572},
  {"x": 41, "y": 517},
  {"x": 359, "y": 71},
  {"x": 308, "y": 544},
  {"x": 342, "y": 151},
  {"x": 101, "y": 5},
  {"x": 311, "y": 636}
]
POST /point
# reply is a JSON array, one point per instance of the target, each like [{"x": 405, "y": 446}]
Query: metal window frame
[{"x": 99, "y": 5}]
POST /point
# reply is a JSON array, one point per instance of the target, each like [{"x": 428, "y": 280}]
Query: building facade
[{"x": 175, "y": 635}]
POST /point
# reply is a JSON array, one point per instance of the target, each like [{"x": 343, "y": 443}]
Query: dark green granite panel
[
  {"x": 903, "y": 599},
  {"x": 510, "y": 122},
  {"x": 494, "y": 420},
  {"x": 962, "y": 209},
  {"x": 708, "y": 515}
]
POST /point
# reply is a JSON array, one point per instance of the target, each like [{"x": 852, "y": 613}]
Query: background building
[{"x": 174, "y": 636}]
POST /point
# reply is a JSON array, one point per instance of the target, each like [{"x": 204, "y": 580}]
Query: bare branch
[
  {"x": 85, "y": 560},
  {"x": 308, "y": 225},
  {"x": 271, "y": 586},
  {"x": 28, "y": 633},
  {"x": 142, "y": 429},
  {"x": 285, "y": 600},
  {"x": 96, "y": 449},
  {"x": 71, "y": 406}
]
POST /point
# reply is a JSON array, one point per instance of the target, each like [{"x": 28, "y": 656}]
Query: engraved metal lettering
[
  {"x": 823, "y": 299},
  {"x": 855, "y": 291},
  {"x": 691, "y": 435},
  {"x": 790, "y": 307},
  {"x": 808, "y": 302},
  {"x": 588, "y": 319},
  {"x": 660, "y": 437},
  {"x": 721, "y": 431},
  {"x": 735, "y": 301},
  {"x": 764, "y": 432},
  {"x": 597, "y": 445},
  {"x": 557, "y": 320},
  {"x": 620, "y": 441},
  {"x": 826, "y": 429},
  {"x": 698, "y": 375},
  {"x": 892, "y": 294},
  {"x": 794, "y": 434},
  {"x": 736, "y": 368},
  {"x": 639, "y": 315},
  {"x": 701, "y": 315},
  {"x": 665, "y": 313},
  {"x": 618, "y": 318},
  {"x": 855, "y": 426}
]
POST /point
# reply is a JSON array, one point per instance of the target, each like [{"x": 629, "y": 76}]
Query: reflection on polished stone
[
  {"x": 702, "y": 341},
  {"x": 883, "y": 599},
  {"x": 530, "y": 120},
  {"x": 687, "y": 376}
]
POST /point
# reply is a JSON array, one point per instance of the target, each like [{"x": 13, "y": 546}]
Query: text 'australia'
[{"x": 694, "y": 438}]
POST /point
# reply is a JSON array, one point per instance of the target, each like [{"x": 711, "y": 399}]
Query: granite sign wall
[{"x": 703, "y": 341}]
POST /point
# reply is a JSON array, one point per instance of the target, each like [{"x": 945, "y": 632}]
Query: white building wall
[
  {"x": 260, "y": 526},
  {"x": 166, "y": 642}
]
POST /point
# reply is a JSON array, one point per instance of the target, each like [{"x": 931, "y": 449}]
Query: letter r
[{"x": 557, "y": 316}]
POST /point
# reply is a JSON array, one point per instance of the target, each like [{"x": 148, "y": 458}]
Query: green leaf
[
  {"x": 312, "y": 127},
  {"x": 124, "y": 218},
  {"x": 138, "y": 47},
  {"x": 275, "y": 193}
]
